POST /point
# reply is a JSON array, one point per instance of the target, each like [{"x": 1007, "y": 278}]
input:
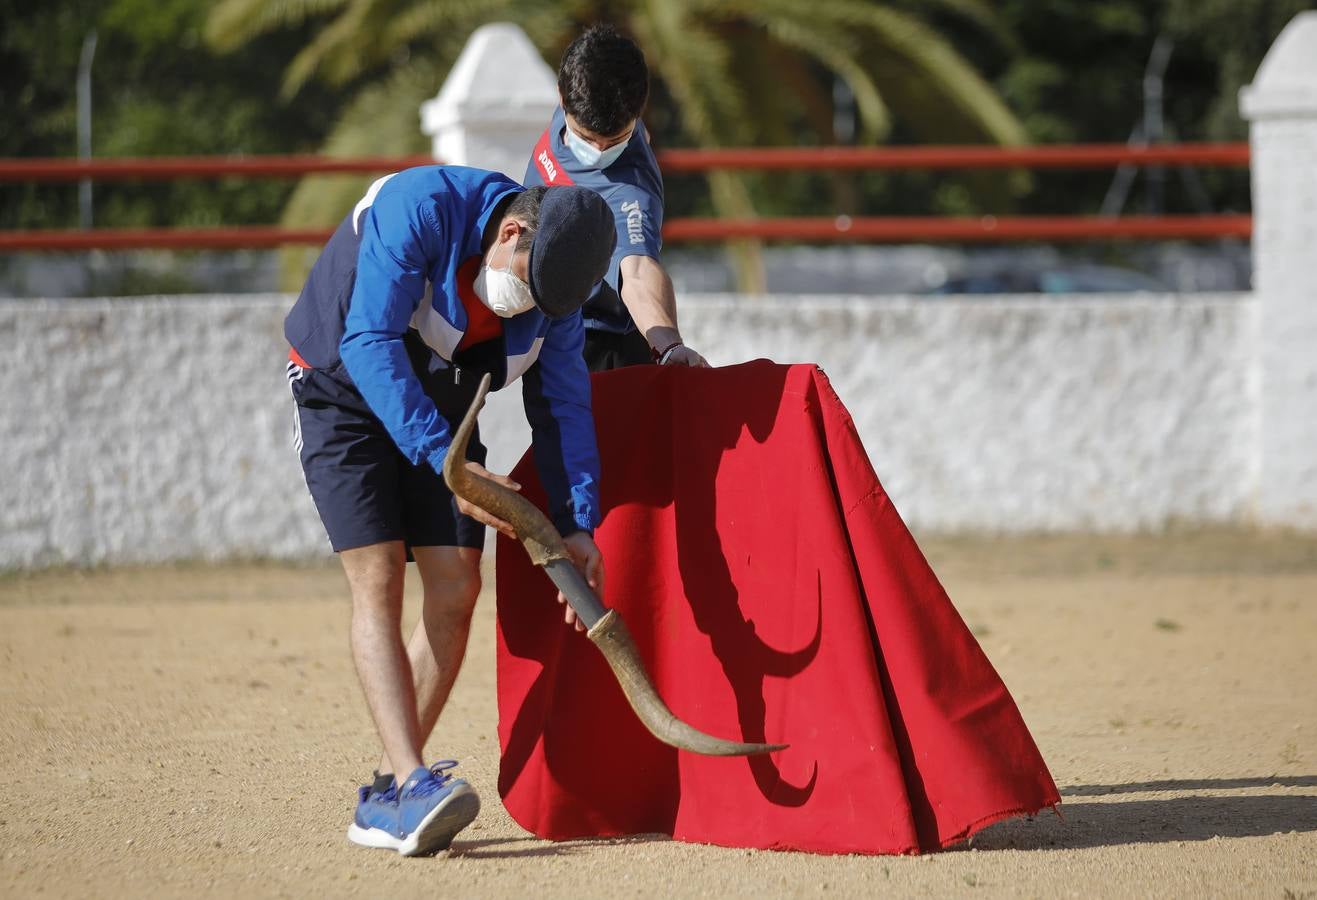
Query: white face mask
[
  {"x": 504, "y": 293},
  {"x": 587, "y": 154}
]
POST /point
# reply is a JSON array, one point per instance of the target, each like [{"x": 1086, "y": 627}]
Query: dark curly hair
[
  {"x": 603, "y": 80},
  {"x": 525, "y": 208}
]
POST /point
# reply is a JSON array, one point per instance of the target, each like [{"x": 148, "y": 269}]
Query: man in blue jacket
[
  {"x": 439, "y": 275},
  {"x": 596, "y": 140}
]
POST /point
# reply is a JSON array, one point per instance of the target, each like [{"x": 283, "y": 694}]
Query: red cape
[{"x": 775, "y": 595}]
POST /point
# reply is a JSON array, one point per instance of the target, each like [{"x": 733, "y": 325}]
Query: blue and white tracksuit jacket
[{"x": 392, "y": 267}]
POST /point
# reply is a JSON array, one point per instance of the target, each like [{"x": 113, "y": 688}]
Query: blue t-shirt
[{"x": 633, "y": 188}]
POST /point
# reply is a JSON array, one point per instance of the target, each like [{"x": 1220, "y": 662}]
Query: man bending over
[{"x": 439, "y": 275}]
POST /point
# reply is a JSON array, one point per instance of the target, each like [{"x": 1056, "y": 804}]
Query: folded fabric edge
[
  {"x": 992, "y": 819},
  {"x": 960, "y": 837}
]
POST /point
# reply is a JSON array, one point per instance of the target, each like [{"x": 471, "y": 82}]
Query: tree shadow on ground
[
  {"x": 499, "y": 848},
  {"x": 505, "y": 848},
  {"x": 1125, "y": 822},
  {"x": 1189, "y": 784}
]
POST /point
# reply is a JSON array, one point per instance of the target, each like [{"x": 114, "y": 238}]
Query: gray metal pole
[
  {"x": 1153, "y": 121},
  {"x": 84, "y": 124},
  {"x": 1119, "y": 189}
]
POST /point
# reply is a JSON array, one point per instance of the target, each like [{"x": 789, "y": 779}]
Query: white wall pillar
[
  {"x": 1281, "y": 105},
  {"x": 494, "y": 104}
]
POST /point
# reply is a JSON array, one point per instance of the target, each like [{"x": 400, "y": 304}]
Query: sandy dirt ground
[{"x": 198, "y": 731}]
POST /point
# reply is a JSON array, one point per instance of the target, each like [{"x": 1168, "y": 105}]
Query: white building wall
[
  {"x": 148, "y": 429},
  {"x": 158, "y": 429},
  {"x": 1021, "y": 414}
]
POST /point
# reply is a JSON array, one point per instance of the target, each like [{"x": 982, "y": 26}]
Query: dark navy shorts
[{"x": 365, "y": 490}]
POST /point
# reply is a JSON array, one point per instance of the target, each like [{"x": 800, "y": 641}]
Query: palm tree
[{"x": 737, "y": 71}]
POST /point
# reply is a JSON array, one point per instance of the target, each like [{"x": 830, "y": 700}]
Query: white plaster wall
[
  {"x": 148, "y": 429},
  {"x": 1021, "y": 414},
  {"x": 159, "y": 428}
]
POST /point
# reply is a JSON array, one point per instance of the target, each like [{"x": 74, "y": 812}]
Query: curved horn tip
[{"x": 732, "y": 748}]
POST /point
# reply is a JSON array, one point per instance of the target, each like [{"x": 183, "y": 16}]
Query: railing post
[
  {"x": 494, "y": 103},
  {"x": 1281, "y": 107}
]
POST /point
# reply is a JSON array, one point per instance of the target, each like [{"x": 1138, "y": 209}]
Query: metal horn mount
[{"x": 606, "y": 629}]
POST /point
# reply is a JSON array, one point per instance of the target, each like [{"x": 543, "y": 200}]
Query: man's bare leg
[
  {"x": 375, "y": 575},
  {"x": 451, "y": 580}
]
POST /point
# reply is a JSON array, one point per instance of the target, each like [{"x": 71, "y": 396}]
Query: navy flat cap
[{"x": 570, "y": 251}]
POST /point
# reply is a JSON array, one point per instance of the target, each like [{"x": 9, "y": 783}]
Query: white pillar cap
[
  {"x": 499, "y": 79},
  {"x": 1286, "y": 83}
]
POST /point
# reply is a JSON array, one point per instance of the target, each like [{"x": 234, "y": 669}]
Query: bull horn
[{"x": 606, "y": 629}]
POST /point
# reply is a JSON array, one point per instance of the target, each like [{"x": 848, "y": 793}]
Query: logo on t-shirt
[
  {"x": 547, "y": 166},
  {"x": 634, "y": 222}
]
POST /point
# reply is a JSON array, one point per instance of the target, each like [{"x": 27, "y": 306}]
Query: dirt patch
[{"x": 197, "y": 730}]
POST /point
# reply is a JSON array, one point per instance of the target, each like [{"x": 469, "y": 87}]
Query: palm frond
[
  {"x": 552, "y": 26},
  {"x": 981, "y": 14},
  {"x": 875, "y": 121},
  {"x": 795, "y": 97},
  {"x": 739, "y": 71},
  {"x": 695, "y": 67},
  {"x": 947, "y": 71},
  {"x": 232, "y": 23},
  {"x": 695, "y": 64},
  {"x": 421, "y": 20},
  {"x": 890, "y": 40},
  {"x": 340, "y": 40},
  {"x": 382, "y": 120}
]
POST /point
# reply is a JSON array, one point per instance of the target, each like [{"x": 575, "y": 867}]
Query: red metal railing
[
  {"x": 829, "y": 229},
  {"x": 1055, "y": 156},
  {"x": 168, "y": 168},
  {"x": 236, "y": 238},
  {"x": 876, "y": 230},
  {"x": 929, "y": 229}
]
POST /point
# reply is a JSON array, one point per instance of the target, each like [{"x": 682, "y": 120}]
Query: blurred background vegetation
[{"x": 345, "y": 77}]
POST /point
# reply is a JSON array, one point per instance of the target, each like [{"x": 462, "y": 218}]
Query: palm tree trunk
[{"x": 732, "y": 201}]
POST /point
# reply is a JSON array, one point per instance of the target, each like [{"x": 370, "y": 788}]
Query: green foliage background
[
  {"x": 157, "y": 90},
  {"x": 1070, "y": 70}
]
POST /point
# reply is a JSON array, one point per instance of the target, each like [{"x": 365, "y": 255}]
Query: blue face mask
[{"x": 587, "y": 154}]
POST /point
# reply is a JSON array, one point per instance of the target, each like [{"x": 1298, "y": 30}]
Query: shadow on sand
[
  {"x": 1085, "y": 825},
  {"x": 1188, "y": 784},
  {"x": 1123, "y": 822},
  {"x": 505, "y": 848}
]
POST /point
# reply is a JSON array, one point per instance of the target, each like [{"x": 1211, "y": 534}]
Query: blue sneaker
[
  {"x": 376, "y": 819},
  {"x": 433, "y": 806},
  {"x": 419, "y": 819}
]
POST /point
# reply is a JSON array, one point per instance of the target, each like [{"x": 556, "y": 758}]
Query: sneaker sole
[
  {"x": 438, "y": 829},
  {"x": 377, "y": 838}
]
